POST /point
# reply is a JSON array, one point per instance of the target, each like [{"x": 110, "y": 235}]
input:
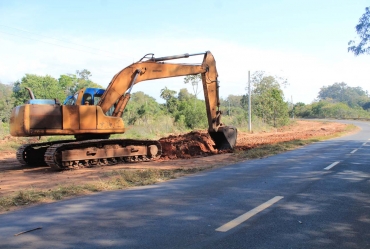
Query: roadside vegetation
[
  {"x": 114, "y": 180},
  {"x": 338, "y": 101}
]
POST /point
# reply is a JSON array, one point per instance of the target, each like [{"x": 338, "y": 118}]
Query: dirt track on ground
[{"x": 179, "y": 152}]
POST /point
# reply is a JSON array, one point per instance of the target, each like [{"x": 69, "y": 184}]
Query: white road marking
[
  {"x": 353, "y": 151},
  {"x": 332, "y": 165},
  {"x": 237, "y": 221}
]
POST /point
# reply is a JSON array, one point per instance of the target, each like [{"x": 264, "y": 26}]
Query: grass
[
  {"x": 273, "y": 149},
  {"x": 122, "y": 179},
  {"x": 114, "y": 180}
]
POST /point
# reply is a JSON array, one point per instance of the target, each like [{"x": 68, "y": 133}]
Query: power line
[{"x": 61, "y": 41}]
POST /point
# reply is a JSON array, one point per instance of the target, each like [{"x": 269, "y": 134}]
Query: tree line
[
  {"x": 184, "y": 110},
  {"x": 43, "y": 87},
  {"x": 336, "y": 101}
]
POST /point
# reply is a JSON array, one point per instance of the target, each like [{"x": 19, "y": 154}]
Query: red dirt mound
[
  {"x": 199, "y": 143},
  {"x": 187, "y": 145}
]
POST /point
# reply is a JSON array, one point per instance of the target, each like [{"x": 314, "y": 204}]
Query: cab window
[{"x": 87, "y": 99}]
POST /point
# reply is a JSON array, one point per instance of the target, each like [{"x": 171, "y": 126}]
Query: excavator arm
[{"x": 118, "y": 91}]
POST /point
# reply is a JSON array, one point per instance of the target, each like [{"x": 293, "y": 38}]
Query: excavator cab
[
  {"x": 87, "y": 96},
  {"x": 90, "y": 96}
]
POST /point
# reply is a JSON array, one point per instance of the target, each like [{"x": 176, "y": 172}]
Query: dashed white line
[
  {"x": 353, "y": 151},
  {"x": 332, "y": 165},
  {"x": 237, "y": 221}
]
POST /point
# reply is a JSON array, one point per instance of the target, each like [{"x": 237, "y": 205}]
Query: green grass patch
[
  {"x": 273, "y": 149},
  {"x": 113, "y": 180}
]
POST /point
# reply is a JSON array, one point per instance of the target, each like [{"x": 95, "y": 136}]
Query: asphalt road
[{"x": 315, "y": 197}]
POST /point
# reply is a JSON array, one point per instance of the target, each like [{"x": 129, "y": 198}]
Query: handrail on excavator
[{"x": 166, "y": 58}]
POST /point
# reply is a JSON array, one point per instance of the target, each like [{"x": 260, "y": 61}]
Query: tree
[
  {"x": 235, "y": 100},
  {"x": 366, "y": 106},
  {"x": 43, "y": 87},
  {"x": 298, "y": 109},
  {"x": 184, "y": 95},
  {"x": 68, "y": 83},
  {"x": 268, "y": 99},
  {"x": 84, "y": 74},
  {"x": 6, "y": 102},
  {"x": 169, "y": 96},
  {"x": 244, "y": 101},
  {"x": 71, "y": 83},
  {"x": 141, "y": 107},
  {"x": 194, "y": 80},
  {"x": 341, "y": 92},
  {"x": 190, "y": 116},
  {"x": 231, "y": 103},
  {"x": 363, "y": 31}
]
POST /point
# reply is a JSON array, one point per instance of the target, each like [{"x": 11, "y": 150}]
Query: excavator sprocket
[{"x": 101, "y": 152}]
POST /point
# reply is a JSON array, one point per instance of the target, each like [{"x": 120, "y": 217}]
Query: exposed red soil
[
  {"x": 188, "y": 145},
  {"x": 196, "y": 147},
  {"x": 199, "y": 143}
]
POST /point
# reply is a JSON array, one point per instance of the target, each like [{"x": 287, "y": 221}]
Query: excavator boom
[{"x": 156, "y": 68}]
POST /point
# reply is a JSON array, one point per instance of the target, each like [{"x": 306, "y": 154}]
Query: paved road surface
[{"x": 314, "y": 197}]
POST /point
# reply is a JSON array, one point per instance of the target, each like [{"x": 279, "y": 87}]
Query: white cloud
[{"x": 305, "y": 73}]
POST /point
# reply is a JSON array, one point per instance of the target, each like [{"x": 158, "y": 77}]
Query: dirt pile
[
  {"x": 188, "y": 145},
  {"x": 199, "y": 143}
]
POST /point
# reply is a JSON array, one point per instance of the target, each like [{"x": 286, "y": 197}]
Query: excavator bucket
[{"x": 225, "y": 137}]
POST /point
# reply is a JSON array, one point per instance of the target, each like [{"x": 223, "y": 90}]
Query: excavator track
[
  {"x": 100, "y": 152},
  {"x": 33, "y": 154}
]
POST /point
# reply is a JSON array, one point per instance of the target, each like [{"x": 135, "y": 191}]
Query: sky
[{"x": 302, "y": 41}]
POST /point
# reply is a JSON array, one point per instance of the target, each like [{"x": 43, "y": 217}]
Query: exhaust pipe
[{"x": 30, "y": 93}]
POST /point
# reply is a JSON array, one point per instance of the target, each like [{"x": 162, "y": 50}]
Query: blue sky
[{"x": 303, "y": 41}]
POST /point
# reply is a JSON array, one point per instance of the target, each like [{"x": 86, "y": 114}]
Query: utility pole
[
  {"x": 229, "y": 107},
  {"x": 291, "y": 96},
  {"x": 249, "y": 103}
]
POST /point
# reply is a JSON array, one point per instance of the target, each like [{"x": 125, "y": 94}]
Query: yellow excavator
[{"x": 92, "y": 116}]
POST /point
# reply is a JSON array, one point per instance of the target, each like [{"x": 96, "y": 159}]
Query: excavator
[{"x": 92, "y": 115}]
